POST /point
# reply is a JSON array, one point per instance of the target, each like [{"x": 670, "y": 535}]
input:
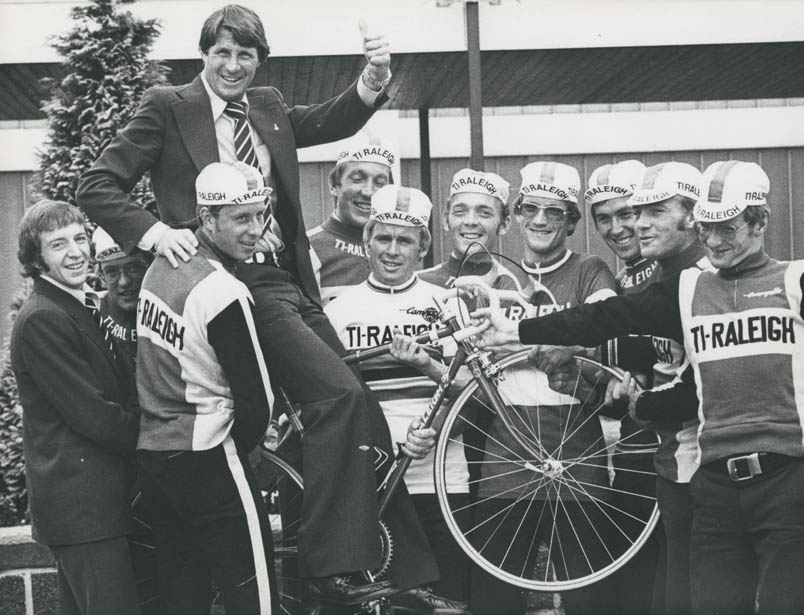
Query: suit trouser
[
  {"x": 209, "y": 522},
  {"x": 675, "y": 506},
  {"x": 96, "y": 578},
  {"x": 748, "y": 542},
  {"x": 343, "y": 423}
]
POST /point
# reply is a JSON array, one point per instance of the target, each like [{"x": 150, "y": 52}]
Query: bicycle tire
[{"x": 543, "y": 507}]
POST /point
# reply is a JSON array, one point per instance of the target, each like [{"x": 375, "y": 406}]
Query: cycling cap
[
  {"x": 367, "y": 147},
  {"x": 728, "y": 188},
  {"x": 614, "y": 180},
  {"x": 402, "y": 206},
  {"x": 553, "y": 180},
  {"x": 105, "y": 247},
  {"x": 665, "y": 180},
  {"x": 221, "y": 183},
  {"x": 478, "y": 182}
]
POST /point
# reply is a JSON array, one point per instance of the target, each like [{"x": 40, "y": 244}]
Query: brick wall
[{"x": 27, "y": 575}]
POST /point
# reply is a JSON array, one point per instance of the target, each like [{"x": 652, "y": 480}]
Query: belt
[{"x": 749, "y": 465}]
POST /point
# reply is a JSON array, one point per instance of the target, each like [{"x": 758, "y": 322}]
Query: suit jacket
[
  {"x": 80, "y": 420},
  {"x": 172, "y": 135}
]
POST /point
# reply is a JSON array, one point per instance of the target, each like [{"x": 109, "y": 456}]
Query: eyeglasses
[
  {"x": 551, "y": 212},
  {"x": 112, "y": 274},
  {"x": 724, "y": 231}
]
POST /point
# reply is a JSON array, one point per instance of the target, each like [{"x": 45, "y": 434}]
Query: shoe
[
  {"x": 422, "y": 601},
  {"x": 341, "y": 589}
]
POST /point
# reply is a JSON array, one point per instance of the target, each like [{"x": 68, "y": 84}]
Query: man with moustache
[{"x": 364, "y": 166}]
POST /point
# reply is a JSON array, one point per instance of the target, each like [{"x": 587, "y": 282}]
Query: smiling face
[
  {"x": 544, "y": 227},
  {"x": 65, "y": 254},
  {"x": 615, "y": 220},
  {"x": 358, "y": 182},
  {"x": 473, "y": 218},
  {"x": 394, "y": 252},
  {"x": 229, "y": 68},
  {"x": 664, "y": 228},
  {"x": 235, "y": 229},
  {"x": 123, "y": 277},
  {"x": 724, "y": 252}
]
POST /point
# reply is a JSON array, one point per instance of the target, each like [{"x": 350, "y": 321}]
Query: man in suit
[
  {"x": 80, "y": 418},
  {"x": 174, "y": 134}
]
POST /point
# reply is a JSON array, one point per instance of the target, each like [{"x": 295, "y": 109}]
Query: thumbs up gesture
[{"x": 378, "y": 58}]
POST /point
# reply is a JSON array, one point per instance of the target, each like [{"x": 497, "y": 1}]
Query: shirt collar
[
  {"x": 217, "y": 103},
  {"x": 539, "y": 269},
  {"x": 391, "y": 290},
  {"x": 78, "y": 293}
]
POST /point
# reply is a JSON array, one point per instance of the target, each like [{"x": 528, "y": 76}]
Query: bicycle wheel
[
  {"x": 558, "y": 498},
  {"x": 282, "y": 489}
]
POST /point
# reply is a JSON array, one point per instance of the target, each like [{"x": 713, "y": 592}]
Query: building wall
[{"x": 784, "y": 239}]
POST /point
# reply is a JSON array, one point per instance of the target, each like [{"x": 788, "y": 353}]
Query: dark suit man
[
  {"x": 80, "y": 418},
  {"x": 174, "y": 134}
]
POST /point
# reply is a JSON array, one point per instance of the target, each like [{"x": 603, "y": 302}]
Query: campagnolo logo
[{"x": 429, "y": 314}]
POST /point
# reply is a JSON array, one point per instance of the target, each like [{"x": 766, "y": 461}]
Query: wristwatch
[{"x": 375, "y": 84}]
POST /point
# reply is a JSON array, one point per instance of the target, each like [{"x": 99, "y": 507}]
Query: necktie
[
  {"x": 92, "y": 301},
  {"x": 244, "y": 146},
  {"x": 244, "y": 149}
]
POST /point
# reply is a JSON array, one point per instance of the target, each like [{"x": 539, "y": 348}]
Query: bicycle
[{"x": 550, "y": 489}]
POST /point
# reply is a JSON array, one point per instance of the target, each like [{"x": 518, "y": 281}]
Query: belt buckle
[{"x": 751, "y": 465}]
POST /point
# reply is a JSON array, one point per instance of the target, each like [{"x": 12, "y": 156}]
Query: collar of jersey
[
  {"x": 479, "y": 264},
  {"x": 352, "y": 233},
  {"x": 391, "y": 290},
  {"x": 538, "y": 270}
]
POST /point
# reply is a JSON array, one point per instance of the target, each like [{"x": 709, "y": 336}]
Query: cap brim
[{"x": 705, "y": 211}]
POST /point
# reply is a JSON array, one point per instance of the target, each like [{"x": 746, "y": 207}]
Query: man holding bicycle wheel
[{"x": 743, "y": 330}]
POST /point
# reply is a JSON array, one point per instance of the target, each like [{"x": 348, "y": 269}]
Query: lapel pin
[{"x": 275, "y": 126}]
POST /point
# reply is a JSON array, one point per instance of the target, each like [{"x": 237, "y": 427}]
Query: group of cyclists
[{"x": 174, "y": 374}]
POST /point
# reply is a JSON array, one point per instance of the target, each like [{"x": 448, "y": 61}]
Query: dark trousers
[
  {"x": 209, "y": 522},
  {"x": 491, "y": 596},
  {"x": 453, "y": 564},
  {"x": 633, "y": 584},
  {"x": 673, "y": 573},
  {"x": 748, "y": 542},
  {"x": 96, "y": 578},
  {"x": 343, "y": 424}
]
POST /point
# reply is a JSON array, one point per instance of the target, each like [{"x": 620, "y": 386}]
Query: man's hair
[
  {"x": 573, "y": 213},
  {"x": 754, "y": 214},
  {"x": 43, "y": 217},
  {"x": 336, "y": 174},
  {"x": 686, "y": 202},
  {"x": 425, "y": 238},
  {"x": 244, "y": 24},
  {"x": 505, "y": 210}
]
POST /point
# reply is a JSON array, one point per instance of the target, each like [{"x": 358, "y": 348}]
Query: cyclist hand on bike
[
  {"x": 406, "y": 350},
  {"x": 551, "y": 358},
  {"x": 629, "y": 389},
  {"x": 420, "y": 441},
  {"x": 496, "y": 332}
]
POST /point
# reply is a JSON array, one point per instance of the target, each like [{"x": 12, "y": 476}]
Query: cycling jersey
[
  {"x": 575, "y": 279},
  {"x": 367, "y": 315},
  {"x": 187, "y": 401},
  {"x": 121, "y": 326},
  {"x": 339, "y": 259}
]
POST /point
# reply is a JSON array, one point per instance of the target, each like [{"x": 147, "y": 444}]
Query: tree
[{"x": 106, "y": 70}]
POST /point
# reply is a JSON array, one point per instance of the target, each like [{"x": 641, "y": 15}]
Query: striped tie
[
  {"x": 244, "y": 149},
  {"x": 92, "y": 301},
  {"x": 244, "y": 146}
]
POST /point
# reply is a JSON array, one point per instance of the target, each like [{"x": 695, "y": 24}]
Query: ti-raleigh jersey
[
  {"x": 365, "y": 316},
  {"x": 185, "y": 398},
  {"x": 573, "y": 280},
  {"x": 339, "y": 260},
  {"x": 678, "y": 453},
  {"x": 122, "y": 327},
  {"x": 744, "y": 336},
  {"x": 634, "y": 353}
]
